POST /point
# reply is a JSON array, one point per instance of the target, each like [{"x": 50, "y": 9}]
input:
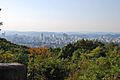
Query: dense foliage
[
  {"x": 81, "y": 60},
  {"x": 10, "y": 52}
]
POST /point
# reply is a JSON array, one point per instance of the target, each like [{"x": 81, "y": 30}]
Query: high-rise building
[{"x": 42, "y": 37}]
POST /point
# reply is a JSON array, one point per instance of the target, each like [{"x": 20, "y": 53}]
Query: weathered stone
[{"x": 12, "y": 71}]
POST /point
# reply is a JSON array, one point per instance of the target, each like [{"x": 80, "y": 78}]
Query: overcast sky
[{"x": 61, "y": 15}]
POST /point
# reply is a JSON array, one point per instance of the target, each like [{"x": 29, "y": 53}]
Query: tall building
[
  {"x": 42, "y": 37},
  {"x": 65, "y": 36}
]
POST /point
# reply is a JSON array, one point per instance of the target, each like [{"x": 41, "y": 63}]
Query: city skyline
[{"x": 61, "y": 15}]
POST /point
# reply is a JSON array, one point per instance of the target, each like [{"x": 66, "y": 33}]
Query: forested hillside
[
  {"x": 10, "y": 52},
  {"x": 81, "y": 60}
]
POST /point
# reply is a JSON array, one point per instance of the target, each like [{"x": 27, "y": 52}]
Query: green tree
[{"x": 67, "y": 51}]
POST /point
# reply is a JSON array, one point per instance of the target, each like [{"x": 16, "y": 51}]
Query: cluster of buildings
[{"x": 49, "y": 39}]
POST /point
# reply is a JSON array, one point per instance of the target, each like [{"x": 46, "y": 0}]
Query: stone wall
[{"x": 13, "y": 71}]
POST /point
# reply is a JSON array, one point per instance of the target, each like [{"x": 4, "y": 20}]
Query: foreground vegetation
[{"x": 81, "y": 60}]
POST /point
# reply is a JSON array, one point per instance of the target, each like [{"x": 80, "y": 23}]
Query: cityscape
[{"x": 56, "y": 39}]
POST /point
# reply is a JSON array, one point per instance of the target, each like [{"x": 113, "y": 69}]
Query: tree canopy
[{"x": 81, "y": 60}]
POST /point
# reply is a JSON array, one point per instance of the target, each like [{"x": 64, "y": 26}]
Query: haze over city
[{"x": 61, "y": 15}]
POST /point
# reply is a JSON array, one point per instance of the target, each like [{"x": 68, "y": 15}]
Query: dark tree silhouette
[{"x": 1, "y": 22}]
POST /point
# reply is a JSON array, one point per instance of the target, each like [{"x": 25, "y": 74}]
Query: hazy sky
[{"x": 61, "y": 15}]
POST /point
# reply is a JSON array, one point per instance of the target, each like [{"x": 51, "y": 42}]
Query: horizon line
[{"x": 64, "y": 31}]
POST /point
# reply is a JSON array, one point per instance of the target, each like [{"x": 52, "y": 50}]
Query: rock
[{"x": 13, "y": 71}]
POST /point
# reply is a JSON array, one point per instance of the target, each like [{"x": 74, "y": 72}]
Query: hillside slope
[{"x": 10, "y": 52}]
